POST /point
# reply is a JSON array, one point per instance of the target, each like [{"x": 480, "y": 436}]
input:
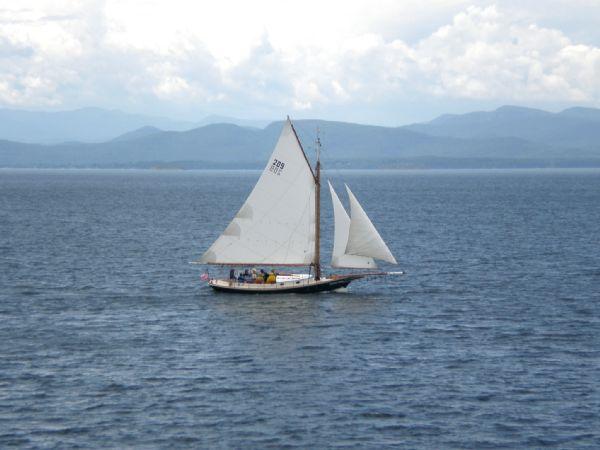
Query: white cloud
[{"x": 274, "y": 56}]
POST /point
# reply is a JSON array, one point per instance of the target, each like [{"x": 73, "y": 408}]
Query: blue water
[{"x": 109, "y": 340}]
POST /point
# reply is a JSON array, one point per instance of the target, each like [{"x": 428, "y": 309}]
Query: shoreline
[{"x": 330, "y": 171}]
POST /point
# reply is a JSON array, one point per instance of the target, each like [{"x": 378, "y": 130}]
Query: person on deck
[
  {"x": 232, "y": 274},
  {"x": 272, "y": 278}
]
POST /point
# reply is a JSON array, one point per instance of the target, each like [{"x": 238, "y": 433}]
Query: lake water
[{"x": 108, "y": 339}]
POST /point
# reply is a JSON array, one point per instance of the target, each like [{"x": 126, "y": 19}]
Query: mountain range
[
  {"x": 93, "y": 124},
  {"x": 507, "y": 137},
  {"x": 573, "y": 127}
]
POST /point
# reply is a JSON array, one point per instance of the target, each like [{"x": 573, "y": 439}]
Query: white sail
[
  {"x": 339, "y": 257},
  {"x": 363, "y": 238},
  {"x": 276, "y": 224}
]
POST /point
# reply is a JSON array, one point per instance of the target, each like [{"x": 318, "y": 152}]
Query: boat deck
[{"x": 299, "y": 286}]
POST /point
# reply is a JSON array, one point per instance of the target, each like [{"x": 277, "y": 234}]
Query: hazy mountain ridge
[
  {"x": 573, "y": 127},
  {"x": 214, "y": 118},
  {"x": 93, "y": 125},
  {"x": 137, "y": 133},
  {"x": 478, "y": 138},
  {"x": 84, "y": 125}
]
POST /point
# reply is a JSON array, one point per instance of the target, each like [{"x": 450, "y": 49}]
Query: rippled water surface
[{"x": 109, "y": 340}]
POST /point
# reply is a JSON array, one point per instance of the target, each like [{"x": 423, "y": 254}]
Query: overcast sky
[{"x": 387, "y": 62}]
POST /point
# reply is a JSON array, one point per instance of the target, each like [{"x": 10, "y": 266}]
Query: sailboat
[{"x": 279, "y": 226}]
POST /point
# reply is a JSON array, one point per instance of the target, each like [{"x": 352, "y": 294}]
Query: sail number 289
[{"x": 277, "y": 167}]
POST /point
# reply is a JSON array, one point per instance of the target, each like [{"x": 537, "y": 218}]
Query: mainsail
[
  {"x": 276, "y": 224},
  {"x": 339, "y": 257},
  {"x": 363, "y": 238}
]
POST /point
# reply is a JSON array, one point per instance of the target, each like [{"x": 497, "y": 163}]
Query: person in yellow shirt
[{"x": 272, "y": 278}]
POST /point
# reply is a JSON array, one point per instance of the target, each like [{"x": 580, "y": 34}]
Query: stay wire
[{"x": 325, "y": 154}]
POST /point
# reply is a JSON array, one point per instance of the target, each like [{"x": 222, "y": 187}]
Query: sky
[{"x": 388, "y": 62}]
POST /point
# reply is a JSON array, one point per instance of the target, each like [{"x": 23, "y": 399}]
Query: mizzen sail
[
  {"x": 339, "y": 257},
  {"x": 363, "y": 238},
  {"x": 276, "y": 224}
]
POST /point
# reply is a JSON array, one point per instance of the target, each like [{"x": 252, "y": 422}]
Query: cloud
[
  {"x": 261, "y": 59},
  {"x": 480, "y": 55},
  {"x": 483, "y": 54}
]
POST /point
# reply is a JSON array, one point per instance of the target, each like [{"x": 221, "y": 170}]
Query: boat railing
[{"x": 280, "y": 284}]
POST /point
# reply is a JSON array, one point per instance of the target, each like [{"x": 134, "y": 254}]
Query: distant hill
[
  {"x": 212, "y": 119},
  {"x": 344, "y": 145},
  {"x": 136, "y": 134},
  {"x": 571, "y": 128},
  {"x": 93, "y": 125},
  {"x": 590, "y": 114},
  {"x": 85, "y": 125}
]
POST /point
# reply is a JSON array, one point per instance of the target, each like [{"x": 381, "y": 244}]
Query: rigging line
[
  {"x": 302, "y": 148},
  {"x": 304, "y": 132},
  {"x": 325, "y": 154},
  {"x": 322, "y": 133}
]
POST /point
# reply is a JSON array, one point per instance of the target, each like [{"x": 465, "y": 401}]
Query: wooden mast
[
  {"x": 317, "y": 261},
  {"x": 317, "y": 177}
]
